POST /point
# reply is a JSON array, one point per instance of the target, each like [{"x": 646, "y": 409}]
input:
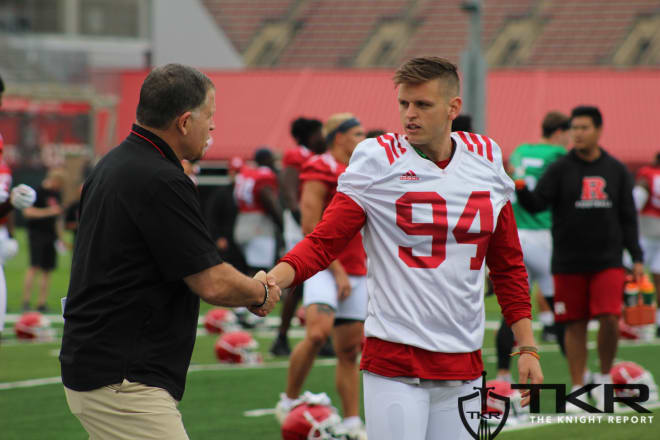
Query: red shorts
[{"x": 586, "y": 295}]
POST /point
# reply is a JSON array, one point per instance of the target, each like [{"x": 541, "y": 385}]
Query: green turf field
[{"x": 217, "y": 396}]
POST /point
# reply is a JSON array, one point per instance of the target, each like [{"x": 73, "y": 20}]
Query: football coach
[{"x": 143, "y": 258}]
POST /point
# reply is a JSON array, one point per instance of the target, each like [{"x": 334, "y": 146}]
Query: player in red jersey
[
  {"x": 335, "y": 299},
  {"x": 259, "y": 220},
  {"x": 647, "y": 199},
  {"x": 308, "y": 136},
  {"x": 259, "y": 212},
  {"x": 20, "y": 197},
  {"x": 434, "y": 207}
]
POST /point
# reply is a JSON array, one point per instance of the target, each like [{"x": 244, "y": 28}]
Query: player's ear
[
  {"x": 183, "y": 122},
  {"x": 455, "y": 106}
]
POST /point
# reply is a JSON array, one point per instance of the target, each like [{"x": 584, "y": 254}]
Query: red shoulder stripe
[
  {"x": 398, "y": 142},
  {"x": 395, "y": 143},
  {"x": 392, "y": 143},
  {"x": 465, "y": 139},
  {"x": 480, "y": 148},
  {"x": 489, "y": 148},
  {"x": 388, "y": 150}
]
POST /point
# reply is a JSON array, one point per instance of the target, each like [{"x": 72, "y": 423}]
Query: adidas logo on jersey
[{"x": 410, "y": 175}]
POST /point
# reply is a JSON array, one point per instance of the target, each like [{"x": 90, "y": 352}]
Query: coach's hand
[
  {"x": 529, "y": 370},
  {"x": 274, "y": 294}
]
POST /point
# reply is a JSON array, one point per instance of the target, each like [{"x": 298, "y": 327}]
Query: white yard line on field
[{"x": 548, "y": 348}]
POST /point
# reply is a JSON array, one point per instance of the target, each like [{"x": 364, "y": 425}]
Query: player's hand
[
  {"x": 529, "y": 370},
  {"x": 638, "y": 272},
  {"x": 274, "y": 294},
  {"x": 343, "y": 284},
  {"x": 22, "y": 196}
]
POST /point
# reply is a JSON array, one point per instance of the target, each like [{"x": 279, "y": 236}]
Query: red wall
[{"x": 256, "y": 107}]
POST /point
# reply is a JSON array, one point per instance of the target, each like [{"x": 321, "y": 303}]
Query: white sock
[
  {"x": 547, "y": 318},
  {"x": 351, "y": 422},
  {"x": 587, "y": 377},
  {"x": 657, "y": 316},
  {"x": 287, "y": 402},
  {"x": 602, "y": 378}
]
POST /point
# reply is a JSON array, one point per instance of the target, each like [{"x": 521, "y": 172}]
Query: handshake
[
  {"x": 21, "y": 197},
  {"x": 272, "y": 294}
]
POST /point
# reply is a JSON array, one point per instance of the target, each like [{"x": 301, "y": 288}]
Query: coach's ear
[
  {"x": 455, "y": 106},
  {"x": 183, "y": 122}
]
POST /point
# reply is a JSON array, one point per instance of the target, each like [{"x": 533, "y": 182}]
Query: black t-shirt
[
  {"x": 71, "y": 217},
  {"x": 593, "y": 212},
  {"x": 129, "y": 314},
  {"x": 44, "y": 227}
]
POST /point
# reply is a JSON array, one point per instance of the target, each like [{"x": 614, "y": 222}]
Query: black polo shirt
[{"x": 128, "y": 312}]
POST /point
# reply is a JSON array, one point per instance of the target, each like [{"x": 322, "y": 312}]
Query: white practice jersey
[{"x": 426, "y": 236}]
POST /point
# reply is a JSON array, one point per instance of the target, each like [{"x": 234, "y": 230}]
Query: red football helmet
[
  {"x": 310, "y": 422},
  {"x": 626, "y": 373},
  {"x": 238, "y": 347},
  {"x": 219, "y": 320},
  {"x": 503, "y": 388},
  {"x": 33, "y": 325}
]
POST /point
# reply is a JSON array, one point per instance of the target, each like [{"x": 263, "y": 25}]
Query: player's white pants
[
  {"x": 537, "y": 253},
  {"x": 651, "y": 248},
  {"x": 255, "y": 235},
  {"x": 395, "y": 410},
  {"x": 322, "y": 289},
  {"x": 292, "y": 231}
]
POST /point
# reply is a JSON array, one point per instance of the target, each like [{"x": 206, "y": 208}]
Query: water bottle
[{"x": 631, "y": 293}]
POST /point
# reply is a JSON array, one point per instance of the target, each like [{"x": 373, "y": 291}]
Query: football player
[
  {"x": 434, "y": 206},
  {"x": 308, "y": 136},
  {"x": 335, "y": 299},
  {"x": 647, "y": 198},
  {"x": 259, "y": 219},
  {"x": 21, "y": 197}
]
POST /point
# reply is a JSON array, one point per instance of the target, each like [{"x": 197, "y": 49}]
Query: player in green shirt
[{"x": 528, "y": 162}]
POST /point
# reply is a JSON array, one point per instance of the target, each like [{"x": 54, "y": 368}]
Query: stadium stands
[{"x": 516, "y": 33}]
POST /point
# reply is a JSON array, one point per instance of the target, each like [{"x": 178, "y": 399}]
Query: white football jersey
[{"x": 426, "y": 236}]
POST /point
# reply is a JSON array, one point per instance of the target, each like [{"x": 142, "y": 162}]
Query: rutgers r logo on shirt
[{"x": 593, "y": 193}]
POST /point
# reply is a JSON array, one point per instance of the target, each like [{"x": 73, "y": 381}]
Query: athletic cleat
[
  {"x": 283, "y": 407},
  {"x": 548, "y": 334},
  {"x": 354, "y": 431},
  {"x": 280, "y": 347}
]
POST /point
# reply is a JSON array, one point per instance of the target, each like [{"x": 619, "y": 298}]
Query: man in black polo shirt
[{"x": 143, "y": 257}]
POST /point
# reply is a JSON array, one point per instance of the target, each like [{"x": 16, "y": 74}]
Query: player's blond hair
[
  {"x": 335, "y": 121},
  {"x": 420, "y": 70}
]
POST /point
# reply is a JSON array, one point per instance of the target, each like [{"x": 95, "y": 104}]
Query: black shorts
[{"x": 42, "y": 252}]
